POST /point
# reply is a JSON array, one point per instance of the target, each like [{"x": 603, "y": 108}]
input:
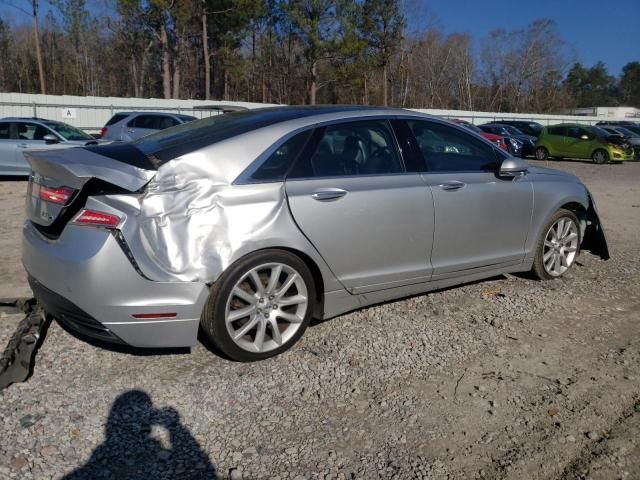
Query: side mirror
[
  {"x": 50, "y": 138},
  {"x": 584, "y": 137},
  {"x": 513, "y": 167}
]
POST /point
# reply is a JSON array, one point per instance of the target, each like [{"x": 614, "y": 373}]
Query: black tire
[
  {"x": 542, "y": 153},
  {"x": 600, "y": 156},
  {"x": 213, "y": 317},
  {"x": 538, "y": 269}
]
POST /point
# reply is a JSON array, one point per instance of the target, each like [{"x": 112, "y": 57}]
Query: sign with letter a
[{"x": 68, "y": 113}]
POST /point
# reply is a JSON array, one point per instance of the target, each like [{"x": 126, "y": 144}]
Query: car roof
[{"x": 146, "y": 112}]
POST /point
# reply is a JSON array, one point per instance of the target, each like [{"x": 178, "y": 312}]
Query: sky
[{"x": 607, "y": 30}]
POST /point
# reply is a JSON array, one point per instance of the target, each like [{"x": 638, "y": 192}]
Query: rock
[
  {"x": 18, "y": 462},
  {"x": 235, "y": 474}
]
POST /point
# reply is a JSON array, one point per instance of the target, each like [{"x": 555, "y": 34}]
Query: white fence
[{"x": 91, "y": 113}]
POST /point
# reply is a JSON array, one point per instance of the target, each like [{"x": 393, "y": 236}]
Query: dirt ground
[{"x": 506, "y": 378}]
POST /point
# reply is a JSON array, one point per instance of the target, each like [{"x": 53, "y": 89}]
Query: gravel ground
[{"x": 505, "y": 378}]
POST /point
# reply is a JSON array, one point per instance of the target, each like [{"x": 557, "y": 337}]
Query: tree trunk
[
  {"x": 207, "y": 60},
  {"x": 366, "y": 91},
  {"x": 313, "y": 83},
  {"x": 176, "y": 67},
  {"x": 166, "y": 62},
  {"x": 385, "y": 86},
  {"x": 226, "y": 84},
  {"x": 36, "y": 34}
]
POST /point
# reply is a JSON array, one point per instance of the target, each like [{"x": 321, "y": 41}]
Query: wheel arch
[{"x": 314, "y": 268}]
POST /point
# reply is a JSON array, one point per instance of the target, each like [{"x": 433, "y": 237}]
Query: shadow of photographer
[{"x": 132, "y": 449}]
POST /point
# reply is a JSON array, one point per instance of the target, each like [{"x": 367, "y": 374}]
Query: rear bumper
[{"x": 85, "y": 281}]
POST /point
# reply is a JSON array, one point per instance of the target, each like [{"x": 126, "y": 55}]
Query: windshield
[
  {"x": 599, "y": 132},
  {"x": 68, "y": 132},
  {"x": 186, "y": 118},
  {"x": 512, "y": 130},
  {"x": 627, "y": 133}
]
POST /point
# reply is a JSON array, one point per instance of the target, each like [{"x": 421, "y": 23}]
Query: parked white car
[{"x": 18, "y": 135}]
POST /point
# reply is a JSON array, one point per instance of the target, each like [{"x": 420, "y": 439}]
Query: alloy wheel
[
  {"x": 266, "y": 307},
  {"x": 600, "y": 157},
  {"x": 560, "y": 246}
]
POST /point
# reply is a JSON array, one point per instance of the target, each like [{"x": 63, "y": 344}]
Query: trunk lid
[{"x": 61, "y": 180}]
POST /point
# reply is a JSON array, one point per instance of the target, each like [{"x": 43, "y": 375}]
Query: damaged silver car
[{"x": 247, "y": 225}]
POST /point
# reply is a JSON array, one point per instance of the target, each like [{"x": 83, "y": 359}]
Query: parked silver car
[
  {"x": 19, "y": 135},
  {"x": 249, "y": 224},
  {"x": 127, "y": 126}
]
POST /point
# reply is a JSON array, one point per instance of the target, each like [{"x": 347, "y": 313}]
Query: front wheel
[
  {"x": 600, "y": 157},
  {"x": 558, "y": 246},
  {"x": 542, "y": 153},
  {"x": 260, "y": 307}
]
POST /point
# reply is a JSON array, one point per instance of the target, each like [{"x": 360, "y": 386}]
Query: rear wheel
[
  {"x": 260, "y": 307},
  {"x": 558, "y": 246},
  {"x": 542, "y": 153},
  {"x": 600, "y": 157}
]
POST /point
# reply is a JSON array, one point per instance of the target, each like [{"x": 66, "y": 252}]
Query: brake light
[
  {"x": 94, "y": 218},
  {"x": 54, "y": 195},
  {"x": 103, "y": 132}
]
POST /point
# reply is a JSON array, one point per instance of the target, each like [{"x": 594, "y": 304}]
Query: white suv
[{"x": 126, "y": 126}]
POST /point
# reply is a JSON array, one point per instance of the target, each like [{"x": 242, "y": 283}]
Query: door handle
[
  {"x": 452, "y": 185},
  {"x": 327, "y": 195},
  {"x": 23, "y": 145}
]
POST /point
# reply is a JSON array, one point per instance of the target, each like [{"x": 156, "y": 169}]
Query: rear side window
[
  {"x": 446, "y": 149},
  {"x": 116, "y": 118},
  {"x": 4, "y": 131},
  {"x": 355, "y": 148},
  {"x": 275, "y": 167},
  {"x": 561, "y": 131},
  {"x": 153, "y": 122}
]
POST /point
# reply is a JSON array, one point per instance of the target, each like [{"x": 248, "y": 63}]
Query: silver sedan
[{"x": 247, "y": 225}]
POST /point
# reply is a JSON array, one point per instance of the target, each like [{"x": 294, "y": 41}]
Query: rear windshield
[
  {"x": 116, "y": 118},
  {"x": 179, "y": 140}
]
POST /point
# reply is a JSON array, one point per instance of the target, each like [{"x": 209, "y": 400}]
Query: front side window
[
  {"x": 576, "y": 132},
  {"x": 30, "y": 131},
  {"x": 446, "y": 149},
  {"x": 355, "y": 148}
]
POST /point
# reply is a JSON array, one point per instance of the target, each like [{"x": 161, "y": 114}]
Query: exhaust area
[{"x": 18, "y": 359}]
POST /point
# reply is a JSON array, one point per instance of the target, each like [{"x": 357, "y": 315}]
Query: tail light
[
  {"x": 94, "y": 218},
  {"x": 103, "y": 132},
  {"x": 60, "y": 195}
]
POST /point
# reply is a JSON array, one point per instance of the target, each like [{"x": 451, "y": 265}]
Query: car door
[
  {"x": 555, "y": 140},
  {"x": 370, "y": 219},
  {"x": 29, "y": 136},
  {"x": 8, "y": 150},
  {"x": 576, "y": 146},
  {"x": 481, "y": 219}
]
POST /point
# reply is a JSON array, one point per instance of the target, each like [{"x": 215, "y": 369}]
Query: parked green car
[{"x": 572, "y": 140}]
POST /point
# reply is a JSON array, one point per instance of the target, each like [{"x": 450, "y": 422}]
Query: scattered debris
[{"x": 16, "y": 362}]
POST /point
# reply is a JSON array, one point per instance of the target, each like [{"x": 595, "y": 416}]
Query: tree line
[{"x": 295, "y": 52}]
